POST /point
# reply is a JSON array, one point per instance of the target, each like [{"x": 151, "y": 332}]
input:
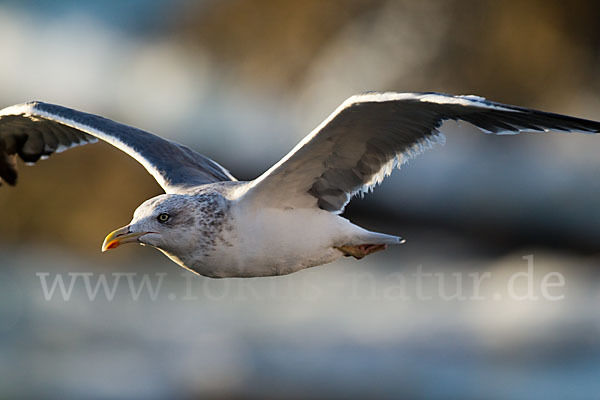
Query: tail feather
[{"x": 381, "y": 238}]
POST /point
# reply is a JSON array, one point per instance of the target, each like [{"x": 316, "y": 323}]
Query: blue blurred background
[{"x": 242, "y": 82}]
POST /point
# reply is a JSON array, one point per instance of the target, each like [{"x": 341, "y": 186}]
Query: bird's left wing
[
  {"x": 371, "y": 134},
  {"x": 36, "y": 130}
]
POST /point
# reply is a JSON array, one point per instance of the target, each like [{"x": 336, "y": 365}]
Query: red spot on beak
[{"x": 112, "y": 245}]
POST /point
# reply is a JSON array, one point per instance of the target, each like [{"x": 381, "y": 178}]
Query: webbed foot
[{"x": 361, "y": 250}]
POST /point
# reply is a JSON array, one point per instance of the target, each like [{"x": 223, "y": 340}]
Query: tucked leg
[{"x": 361, "y": 250}]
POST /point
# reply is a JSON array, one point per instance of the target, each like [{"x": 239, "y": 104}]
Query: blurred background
[{"x": 242, "y": 82}]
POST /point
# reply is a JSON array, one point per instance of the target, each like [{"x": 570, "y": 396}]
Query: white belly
[{"x": 271, "y": 241}]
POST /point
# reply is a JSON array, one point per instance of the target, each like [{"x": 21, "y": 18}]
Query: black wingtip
[{"x": 8, "y": 169}]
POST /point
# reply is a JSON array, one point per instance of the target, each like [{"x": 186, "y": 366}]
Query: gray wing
[
  {"x": 36, "y": 130},
  {"x": 371, "y": 134}
]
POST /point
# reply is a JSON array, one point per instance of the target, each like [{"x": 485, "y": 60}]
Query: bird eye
[{"x": 164, "y": 217}]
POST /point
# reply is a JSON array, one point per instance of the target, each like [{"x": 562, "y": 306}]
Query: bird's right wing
[
  {"x": 371, "y": 134},
  {"x": 35, "y": 130}
]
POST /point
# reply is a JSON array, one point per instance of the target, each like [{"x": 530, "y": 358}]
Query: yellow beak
[{"x": 120, "y": 236}]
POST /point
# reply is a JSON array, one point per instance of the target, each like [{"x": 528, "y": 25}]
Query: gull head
[{"x": 166, "y": 222}]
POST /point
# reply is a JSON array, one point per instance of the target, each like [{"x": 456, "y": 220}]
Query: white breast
[{"x": 269, "y": 241}]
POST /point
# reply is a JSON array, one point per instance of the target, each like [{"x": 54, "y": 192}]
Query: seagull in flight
[{"x": 287, "y": 219}]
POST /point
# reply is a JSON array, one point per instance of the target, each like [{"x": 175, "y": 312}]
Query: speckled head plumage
[{"x": 183, "y": 226}]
